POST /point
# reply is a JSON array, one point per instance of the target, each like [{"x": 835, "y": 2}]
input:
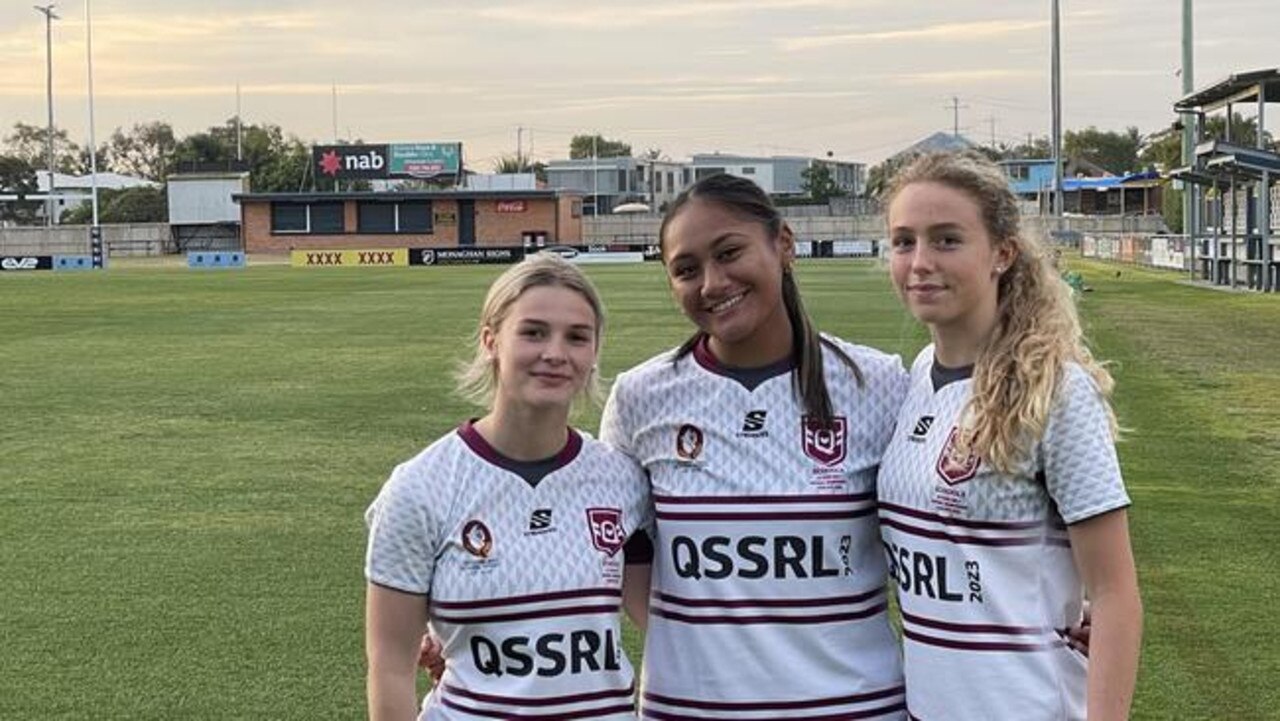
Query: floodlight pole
[
  {"x": 1057, "y": 117},
  {"x": 93, "y": 145},
  {"x": 49, "y": 17},
  {"x": 1188, "y": 120}
]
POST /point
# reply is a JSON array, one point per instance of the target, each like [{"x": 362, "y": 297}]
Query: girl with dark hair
[{"x": 761, "y": 438}]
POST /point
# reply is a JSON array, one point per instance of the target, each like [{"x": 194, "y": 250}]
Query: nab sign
[{"x": 334, "y": 162}]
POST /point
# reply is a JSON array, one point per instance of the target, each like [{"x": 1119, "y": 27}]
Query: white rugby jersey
[
  {"x": 981, "y": 561},
  {"x": 524, "y": 581},
  {"x": 769, "y": 582}
]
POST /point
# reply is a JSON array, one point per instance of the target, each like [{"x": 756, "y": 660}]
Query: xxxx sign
[{"x": 348, "y": 258}]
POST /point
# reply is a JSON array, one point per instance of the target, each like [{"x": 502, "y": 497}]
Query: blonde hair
[
  {"x": 1037, "y": 330},
  {"x": 478, "y": 378}
]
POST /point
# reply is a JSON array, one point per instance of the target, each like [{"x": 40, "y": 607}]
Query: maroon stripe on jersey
[
  {"x": 774, "y": 705},
  {"x": 979, "y": 645},
  {"x": 973, "y": 627},
  {"x": 733, "y": 500},
  {"x": 481, "y": 447},
  {"x": 525, "y": 615},
  {"x": 769, "y": 602},
  {"x": 1060, "y": 542},
  {"x": 767, "y": 619},
  {"x": 969, "y": 540},
  {"x": 842, "y": 716},
  {"x": 534, "y": 598},
  {"x": 588, "y": 713},
  {"x": 767, "y": 516},
  {"x": 541, "y": 700},
  {"x": 962, "y": 522}
]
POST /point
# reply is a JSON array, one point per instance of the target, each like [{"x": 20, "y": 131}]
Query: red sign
[{"x": 512, "y": 206}]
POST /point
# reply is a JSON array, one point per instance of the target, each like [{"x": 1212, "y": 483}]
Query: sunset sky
[{"x": 858, "y": 78}]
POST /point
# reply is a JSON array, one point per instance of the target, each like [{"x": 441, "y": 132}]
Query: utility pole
[
  {"x": 1056, "y": 67},
  {"x": 519, "y": 147},
  {"x": 239, "y": 144},
  {"x": 93, "y": 145},
  {"x": 991, "y": 120},
  {"x": 955, "y": 115},
  {"x": 49, "y": 17},
  {"x": 334, "y": 109}
]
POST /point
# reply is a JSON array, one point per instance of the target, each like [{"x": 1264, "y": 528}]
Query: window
[
  {"x": 748, "y": 170},
  {"x": 622, "y": 180},
  {"x": 657, "y": 182},
  {"x": 326, "y": 218},
  {"x": 671, "y": 181},
  {"x": 414, "y": 216},
  {"x": 380, "y": 216},
  {"x": 701, "y": 173},
  {"x": 376, "y": 217},
  {"x": 288, "y": 218}
]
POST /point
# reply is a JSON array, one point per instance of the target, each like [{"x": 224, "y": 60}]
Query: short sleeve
[
  {"x": 1082, "y": 472},
  {"x": 614, "y": 429},
  {"x": 403, "y": 535}
]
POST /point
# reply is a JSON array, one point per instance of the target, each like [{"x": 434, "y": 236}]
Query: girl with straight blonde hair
[{"x": 507, "y": 534}]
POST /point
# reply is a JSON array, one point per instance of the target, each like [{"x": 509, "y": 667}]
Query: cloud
[
  {"x": 596, "y": 16},
  {"x": 982, "y": 30}
]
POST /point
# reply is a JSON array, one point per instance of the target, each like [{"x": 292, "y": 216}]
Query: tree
[
  {"x": 29, "y": 143},
  {"x": 142, "y": 204},
  {"x": 520, "y": 164},
  {"x": 18, "y": 177},
  {"x": 818, "y": 183},
  {"x": 276, "y": 162},
  {"x": 879, "y": 176},
  {"x": 1115, "y": 152},
  {"x": 581, "y": 147},
  {"x": 145, "y": 151}
]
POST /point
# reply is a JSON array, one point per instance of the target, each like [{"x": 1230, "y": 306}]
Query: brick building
[{"x": 280, "y": 222}]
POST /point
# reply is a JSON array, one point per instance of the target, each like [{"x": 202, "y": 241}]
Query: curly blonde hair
[{"x": 1037, "y": 331}]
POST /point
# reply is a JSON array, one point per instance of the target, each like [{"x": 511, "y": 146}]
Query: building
[
  {"x": 1087, "y": 188},
  {"x": 780, "y": 175},
  {"x": 203, "y": 214},
  {"x": 609, "y": 182},
  {"x": 281, "y": 222},
  {"x": 69, "y": 191}
]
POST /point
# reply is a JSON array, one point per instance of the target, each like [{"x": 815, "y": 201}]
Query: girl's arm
[
  {"x": 635, "y": 593},
  {"x": 394, "y": 622},
  {"x": 1105, "y": 561}
]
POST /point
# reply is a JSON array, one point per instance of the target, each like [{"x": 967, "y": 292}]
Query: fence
[
  {"x": 1153, "y": 250},
  {"x": 121, "y": 240}
]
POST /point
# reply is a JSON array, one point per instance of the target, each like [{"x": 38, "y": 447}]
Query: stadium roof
[{"x": 1235, "y": 88}]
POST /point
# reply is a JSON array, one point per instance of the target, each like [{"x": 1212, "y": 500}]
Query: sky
[{"x": 859, "y": 79}]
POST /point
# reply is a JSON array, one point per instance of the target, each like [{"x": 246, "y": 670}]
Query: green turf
[{"x": 185, "y": 456}]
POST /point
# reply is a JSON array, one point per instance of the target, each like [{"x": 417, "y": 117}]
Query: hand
[
  {"x": 431, "y": 657},
  {"x": 1077, "y": 637}
]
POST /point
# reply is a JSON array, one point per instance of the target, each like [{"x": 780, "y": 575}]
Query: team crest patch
[
  {"x": 607, "y": 534},
  {"x": 689, "y": 442},
  {"x": 953, "y": 468},
  {"x": 477, "y": 539},
  {"x": 826, "y": 444}
]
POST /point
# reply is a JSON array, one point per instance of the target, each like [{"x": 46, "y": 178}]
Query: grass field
[{"x": 185, "y": 457}]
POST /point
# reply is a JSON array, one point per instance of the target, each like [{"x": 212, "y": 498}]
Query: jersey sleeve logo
[
  {"x": 826, "y": 444},
  {"x": 477, "y": 539},
  {"x": 954, "y": 468},
  {"x": 689, "y": 442},
  {"x": 607, "y": 534}
]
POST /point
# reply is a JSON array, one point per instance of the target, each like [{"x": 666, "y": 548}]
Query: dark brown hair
[{"x": 744, "y": 198}]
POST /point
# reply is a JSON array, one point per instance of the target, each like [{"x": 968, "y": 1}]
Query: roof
[
  {"x": 939, "y": 142},
  {"x": 1111, "y": 182},
  {"x": 112, "y": 181},
  {"x": 1235, "y": 88},
  {"x": 403, "y": 195}
]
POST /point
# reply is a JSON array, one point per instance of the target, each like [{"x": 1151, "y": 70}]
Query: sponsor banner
[
  {"x": 349, "y": 161},
  {"x": 594, "y": 258},
  {"x": 18, "y": 263},
  {"x": 348, "y": 258},
  {"x": 512, "y": 206},
  {"x": 464, "y": 256},
  {"x": 424, "y": 160},
  {"x": 445, "y": 217}
]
